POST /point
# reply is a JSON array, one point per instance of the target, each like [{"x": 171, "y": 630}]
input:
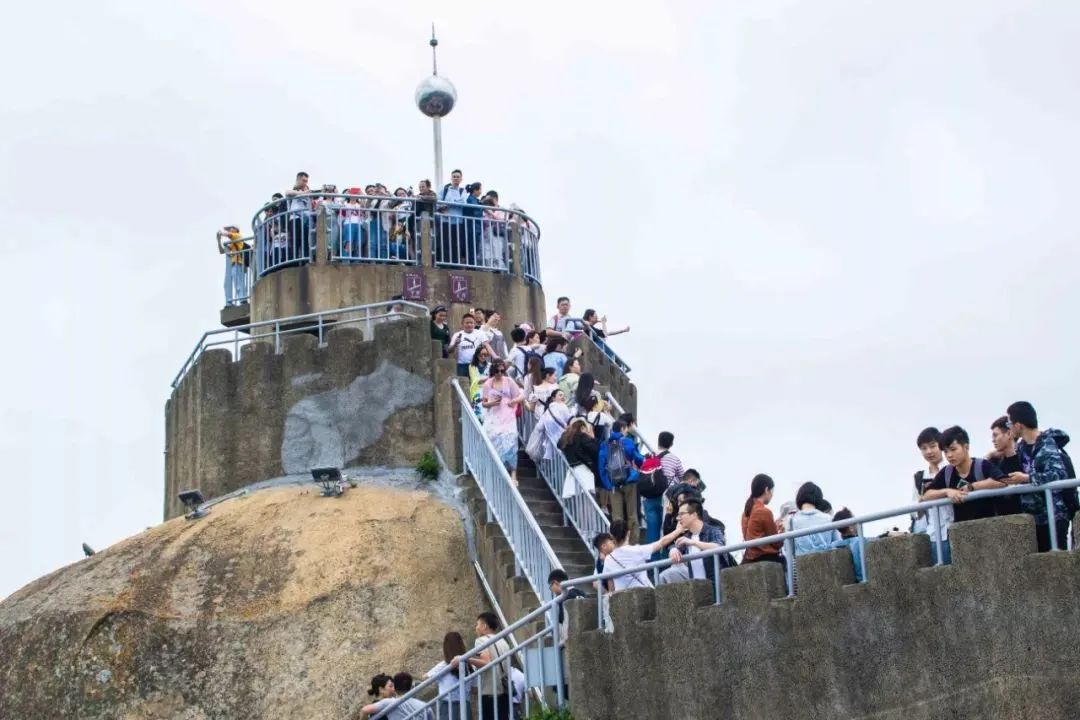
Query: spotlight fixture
[
  {"x": 331, "y": 481},
  {"x": 192, "y": 499}
]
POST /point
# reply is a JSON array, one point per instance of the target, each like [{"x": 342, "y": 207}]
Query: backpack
[
  {"x": 653, "y": 483},
  {"x": 977, "y": 466},
  {"x": 1070, "y": 496},
  {"x": 617, "y": 465}
]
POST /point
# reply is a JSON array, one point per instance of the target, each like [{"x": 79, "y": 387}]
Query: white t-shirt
[
  {"x": 517, "y": 683},
  {"x": 493, "y": 682},
  {"x": 697, "y": 567},
  {"x": 468, "y": 344},
  {"x": 625, "y": 557},
  {"x": 448, "y": 679},
  {"x": 406, "y": 709}
]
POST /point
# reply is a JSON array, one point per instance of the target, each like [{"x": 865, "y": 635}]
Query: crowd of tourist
[
  {"x": 500, "y": 692},
  {"x": 1023, "y": 454},
  {"x": 373, "y": 223}
]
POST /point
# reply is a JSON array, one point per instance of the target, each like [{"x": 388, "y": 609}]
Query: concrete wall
[
  {"x": 314, "y": 288},
  {"x": 994, "y": 635},
  {"x": 351, "y": 402}
]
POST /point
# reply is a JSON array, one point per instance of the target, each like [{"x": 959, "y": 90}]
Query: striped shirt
[{"x": 672, "y": 467}]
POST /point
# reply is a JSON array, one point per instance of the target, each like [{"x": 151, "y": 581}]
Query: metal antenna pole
[{"x": 436, "y": 122}]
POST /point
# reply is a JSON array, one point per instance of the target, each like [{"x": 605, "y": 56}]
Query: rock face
[{"x": 279, "y": 604}]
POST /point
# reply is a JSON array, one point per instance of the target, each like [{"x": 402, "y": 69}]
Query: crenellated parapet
[
  {"x": 283, "y": 410},
  {"x": 993, "y": 635}
]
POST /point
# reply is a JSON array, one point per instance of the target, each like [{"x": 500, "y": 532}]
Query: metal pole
[
  {"x": 789, "y": 550},
  {"x": 462, "y": 692},
  {"x": 436, "y": 124},
  {"x": 862, "y": 553},
  {"x": 1051, "y": 521},
  {"x": 937, "y": 536},
  {"x": 560, "y": 681},
  {"x": 716, "y": 578}
]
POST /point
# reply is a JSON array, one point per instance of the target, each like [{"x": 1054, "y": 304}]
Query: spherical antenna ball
[{"x": 435, "y": 96}]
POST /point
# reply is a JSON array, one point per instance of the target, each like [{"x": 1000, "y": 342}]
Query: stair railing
[
  {"x": 533, "y": 555},
  {"x": 580, "y": 509}
]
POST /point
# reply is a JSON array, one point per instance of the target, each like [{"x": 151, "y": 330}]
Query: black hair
[
  {"x": 588, "y": 403},
  {"x": 476, "y": 356},
  {"x": 758, "y": 486},
  {"x": 843, "y": 514},
  {"x": 438, "y": 309},
  {"x": 561, "y": 299},
  {"x": 585, "y": 386},
  {"x": 619, "y": 530},
  {"x": 691, "y": 471},
  {"x": 557, "y": 575},
  {"x": 601, "y": 538},
  {"x": 850, "y": 530},
  {"x": 490, "y": 619},
  {"x": 378, "y": 683},
  {"x": 694, "y": 506},
  {"x": 466, "y": 316},
  {"x": 627, "y": 419},
  {"x": 548, "y": 371},
  {"x": 588, "y": 314},
  {"x": 618, "y": 426},
  {"x": 666, "y": 440},
  {"x": 458, "y": 171},
  {"x": 302, "y": 173},
  {"x": 554, "y": 343},
  {"x": 530, "y": 334},
  {"x": 811, "y": 494},
  {"x": 403, "y": 683},
  {"x": 517, "y": 335},
  {"x": 927, "y": 436},
  {"x": 1023, "y": 412},
  {"x": 1002, "y": 424},
  {"x": 954, "y": 434},
  {"x": 277, "y": 196}
]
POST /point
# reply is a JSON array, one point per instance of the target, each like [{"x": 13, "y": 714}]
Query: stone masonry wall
[
  {"x": 994, "y": 635},
  {"x": 351, "y": 402}
]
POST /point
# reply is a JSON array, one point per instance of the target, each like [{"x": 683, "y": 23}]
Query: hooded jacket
[{"x": 1044, "y": 462}]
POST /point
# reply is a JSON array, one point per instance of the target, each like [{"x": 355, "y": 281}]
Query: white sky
[{"x": 829, "y": 224}]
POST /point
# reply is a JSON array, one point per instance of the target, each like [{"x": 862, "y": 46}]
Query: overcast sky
[{"x": 828, "y": 223}]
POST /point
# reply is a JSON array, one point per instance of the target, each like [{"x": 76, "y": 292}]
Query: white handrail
[
  {"x": 318, "y": 321},
  {"x": 532, "y": 552},
  {"x": 581, "y": 509}
]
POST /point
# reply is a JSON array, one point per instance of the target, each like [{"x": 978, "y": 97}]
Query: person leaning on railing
[
  {"x": 758, "y": 522},
  {"x": 236, "y": 265}
]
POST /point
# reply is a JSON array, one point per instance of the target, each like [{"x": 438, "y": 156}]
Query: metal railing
[
  {"x": 640, "y": 436},
  {"x": 787, "y": 538},
  {"x": 581, "y": 510},
  {"x": 603, "y": 346},
  {"x": 533, "y": 555},
  {"x": 386, "y": 228},
  {"x": 383, "y": 233},
  {"x": 271, "y": 331},
  {"x": 238, "y": 274},
  {"x": 541, "y": 660}
]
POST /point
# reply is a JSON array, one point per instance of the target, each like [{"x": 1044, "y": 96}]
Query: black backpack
[
  {"x": 1070, "y": 496},
  {"x": 654, "y": 484}
]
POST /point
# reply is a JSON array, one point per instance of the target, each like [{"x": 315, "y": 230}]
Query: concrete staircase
[{"x": 513, "y": 592}]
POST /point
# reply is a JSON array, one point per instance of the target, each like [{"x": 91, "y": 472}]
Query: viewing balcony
[{"x": 344, "y": 230}]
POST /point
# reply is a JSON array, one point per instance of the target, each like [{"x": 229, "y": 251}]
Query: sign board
[
  {"x": 460, "y": 289},
  {"x": 414, "y": 287}
]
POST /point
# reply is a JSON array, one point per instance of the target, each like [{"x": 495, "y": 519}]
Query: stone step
[
  {"x": 549, "y": 519},
  {"x": 546, "y": 507},
  {"x": 560, "y": 532}
]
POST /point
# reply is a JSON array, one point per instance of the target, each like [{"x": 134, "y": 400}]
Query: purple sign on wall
[
  {"x": 460, "y": 289},
  {"x": 414, "y": 287}
]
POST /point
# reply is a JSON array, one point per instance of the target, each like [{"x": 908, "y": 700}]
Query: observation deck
[{"x": 317, "y": 251}]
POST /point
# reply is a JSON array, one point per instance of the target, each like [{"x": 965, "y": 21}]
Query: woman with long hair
[
  {"x": 758, "y": 522},
  {"x": 554, "y": 418},
  {"x": 453, "y": 646},
  {"x": 500, "y": 397},
  {"x": 479, "y": 369},
  {"x": 579, "y": 446},
  {"x": 570, "y": 379}
]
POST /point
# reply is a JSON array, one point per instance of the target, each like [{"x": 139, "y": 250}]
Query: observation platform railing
[
  {"x": 550, "y": 609},
  {"x": 389, "y": 229},
  {"x": 239, "y": 274},
  {"x": 235, "y": 338}
]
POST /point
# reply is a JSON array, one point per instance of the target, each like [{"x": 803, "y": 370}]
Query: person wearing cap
[
  {"x": 235, "y": 264},
  {"x": 440, "y": 331}
]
